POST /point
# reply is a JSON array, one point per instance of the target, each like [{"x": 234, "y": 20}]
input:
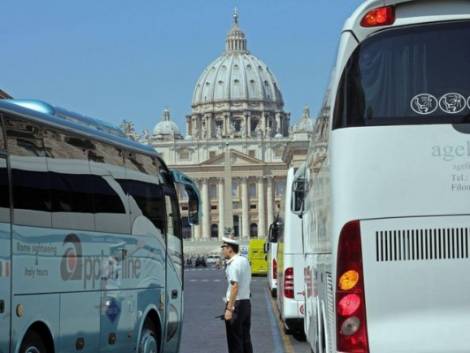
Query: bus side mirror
[
  {"x": 298, "y": 197},
  {"x": 272, "y": 236},
  {"x": 193, "y": 208}
]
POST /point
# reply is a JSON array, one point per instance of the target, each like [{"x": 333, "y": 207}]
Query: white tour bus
[
  {"x": 388, "y": 191},
  {"x": 290, "y": 266},
  {"x": 90, "y": 237}
]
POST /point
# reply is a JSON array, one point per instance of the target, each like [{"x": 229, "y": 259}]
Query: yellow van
[{"x": 257, "y": 257}]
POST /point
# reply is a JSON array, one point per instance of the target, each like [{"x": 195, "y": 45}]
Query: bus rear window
[{"x": 410, "y": 75}]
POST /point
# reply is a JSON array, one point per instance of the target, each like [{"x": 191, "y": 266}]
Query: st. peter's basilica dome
[{"x": 237, "y": 75}]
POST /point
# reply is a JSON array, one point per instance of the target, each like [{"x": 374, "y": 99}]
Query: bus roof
[{"x": 42, "y": 112}]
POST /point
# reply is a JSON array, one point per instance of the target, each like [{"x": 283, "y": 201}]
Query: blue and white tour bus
[{"x": 90, "y": 237}]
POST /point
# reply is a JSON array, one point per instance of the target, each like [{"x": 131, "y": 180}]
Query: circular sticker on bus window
[
  {"x": 424, "y": 104},
  {"x": 452, "y": 103},
  {"x": 468, "y": 102}
]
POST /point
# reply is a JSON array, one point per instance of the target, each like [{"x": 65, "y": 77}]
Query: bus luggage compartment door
[{"x": 416, "y": 283}]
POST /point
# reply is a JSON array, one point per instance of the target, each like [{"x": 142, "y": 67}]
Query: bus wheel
[
  {"x": 33, "y": 343},
  {"x": 148, "y": 340}
]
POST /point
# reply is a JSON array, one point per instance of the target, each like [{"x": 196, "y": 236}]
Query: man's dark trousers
[{"x": 238, "y": 329}]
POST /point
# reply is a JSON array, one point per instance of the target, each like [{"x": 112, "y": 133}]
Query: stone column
[
  {"x": 278, "y": 123},
  {"x": 206, "y": 209},
  {"x": 261, "y": 208},
  {"x": 209, "y": 121},
  {"x": 221, "y": 206},
  {"x": 248, "y": 132},
  {"x": 197, "y": 229},
  {"x": 227, "y": 125},
  {"x": 270, "y": 201},
  {"x": 245, "y": 208}
]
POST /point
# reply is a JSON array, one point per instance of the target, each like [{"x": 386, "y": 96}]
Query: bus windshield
[{"x": 410, "y": 75}]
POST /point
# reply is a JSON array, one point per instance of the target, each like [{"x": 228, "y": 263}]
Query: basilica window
[
  {"x": 235, "y": 189},
  {"x": 252, "y": 153},
  {"x": 213, "y": 191},
  {"x": 237, "y": 125},
  {"x": 280, "y": 188},
  {"x": 211, "y": 154},
  {"x": 252, "y": 190},
  {"x": 182, "y": 195},
  {"x": 184, "y": 155}
]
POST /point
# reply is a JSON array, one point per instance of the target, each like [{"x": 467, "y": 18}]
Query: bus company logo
[
  {"x": 424, "y": 104},
  {"x": 449, "y": 153},
  {"x": 71, "y": 267},
  {"x": 452, "y": 103}
]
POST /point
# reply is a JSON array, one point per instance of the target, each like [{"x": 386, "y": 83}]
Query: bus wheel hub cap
[{"x": 148, "y": 344}]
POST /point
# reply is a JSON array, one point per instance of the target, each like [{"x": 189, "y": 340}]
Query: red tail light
[
  {"x": 382, "y": 16},
  {"x": 274, "y": 269},
  {"x": 289, "y": 283},
  {"x": 351, "y": 325}
]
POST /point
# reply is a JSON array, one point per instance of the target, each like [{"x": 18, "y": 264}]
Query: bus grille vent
[
  {"x": 331, "y": 305},
  {"x": 422, "y": 244}
]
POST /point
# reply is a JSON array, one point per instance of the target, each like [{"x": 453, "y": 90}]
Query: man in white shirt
[{"x": 238, "y": 307}]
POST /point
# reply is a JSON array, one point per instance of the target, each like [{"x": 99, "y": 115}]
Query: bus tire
[
  {"x": 33, "y": 343},
  {"x": 148, "y": 339},
  {"x": 287, "y": 330}
]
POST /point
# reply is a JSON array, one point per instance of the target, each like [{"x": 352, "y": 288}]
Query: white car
[{"x": 213, "y": 260}]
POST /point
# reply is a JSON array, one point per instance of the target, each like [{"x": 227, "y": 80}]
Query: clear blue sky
[{"x": 127, "y": 59}]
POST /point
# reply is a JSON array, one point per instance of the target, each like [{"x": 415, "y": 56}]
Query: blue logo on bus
[{"x": 113, "y": 310}]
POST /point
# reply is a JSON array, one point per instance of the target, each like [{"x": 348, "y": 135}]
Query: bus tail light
[
  {"x": 351, "y": 325},
  {"x": 381, "y": 16},
  {"x": 289, "y": 283},
  {"x": 274, "y": 269}
]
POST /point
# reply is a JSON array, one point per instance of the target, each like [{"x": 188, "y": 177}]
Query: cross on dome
[
  {"x": 236, "y": 41},
  {"x": 235, "y": 16}
]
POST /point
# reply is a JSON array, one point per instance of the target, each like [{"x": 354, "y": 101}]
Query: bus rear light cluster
[
  {"x": 274, "y": 269},
  {"x": 351, "y": 325},
  {"x": 381, "y": 16},
  {"x": 289, "y": 283}
]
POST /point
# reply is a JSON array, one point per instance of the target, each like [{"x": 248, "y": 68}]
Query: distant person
[{"x": 237, "y": 299}]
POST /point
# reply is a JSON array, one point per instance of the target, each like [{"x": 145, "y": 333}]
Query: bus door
[
  {"x": 174, "y": 272},
  {"x": 5, "y": 250}
]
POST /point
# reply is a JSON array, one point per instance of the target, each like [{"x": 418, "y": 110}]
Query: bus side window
[
  {"x": 149, "y": 199},
  {"x": 174, "y": 231},
  {"x": 4, "y": 184},
  {"x": 4, "y": 191},
  {"x": 2, "y": 136},
  {"x": 147, "y": 164},
  {"x": 110, "y": 202},
  {"x": 70, "y": 179},
  {"x": 173, "y": 214},
  {"x": 30, "y": 180}
]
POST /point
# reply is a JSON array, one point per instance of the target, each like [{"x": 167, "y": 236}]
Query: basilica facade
[{"x": 238, "y": 144}]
